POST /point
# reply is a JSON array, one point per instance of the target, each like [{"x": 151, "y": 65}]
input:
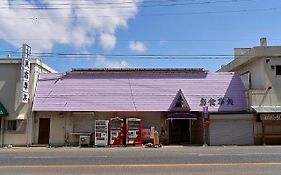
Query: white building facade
[
  {"x": 17, "y": 87},
  {"x": 260, "y": 70}
]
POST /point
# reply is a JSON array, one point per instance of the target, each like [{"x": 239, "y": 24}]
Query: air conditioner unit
[{"x": 84, "y": 140}]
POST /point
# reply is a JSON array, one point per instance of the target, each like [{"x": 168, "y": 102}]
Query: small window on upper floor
[
  {"x": 278, "y": 69},
  {"x": 246, "y": 79}
]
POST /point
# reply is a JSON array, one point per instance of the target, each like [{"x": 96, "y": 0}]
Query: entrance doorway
[
  {"x": 179, "y": 131},
  {"x": 44, "y": 131}
]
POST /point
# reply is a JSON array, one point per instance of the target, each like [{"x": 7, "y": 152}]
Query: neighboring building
[
  {"x": 171, "y": 100},
  {"x": 16, "y": 115},
  {"x": 260, "y": 70}
]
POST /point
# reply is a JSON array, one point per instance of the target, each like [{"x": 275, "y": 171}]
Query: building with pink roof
[{"x": 169, "y": 100}]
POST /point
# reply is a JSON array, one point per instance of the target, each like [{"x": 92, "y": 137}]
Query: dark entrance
[
  {"x": 44, "y": 131},
  {"x": 179, "y": 132}
]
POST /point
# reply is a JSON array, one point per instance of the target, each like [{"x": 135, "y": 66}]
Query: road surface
[{"x": 138, "y": 160}]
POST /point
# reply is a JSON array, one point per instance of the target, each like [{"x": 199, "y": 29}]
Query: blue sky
[{"x": 152, "y": 27}]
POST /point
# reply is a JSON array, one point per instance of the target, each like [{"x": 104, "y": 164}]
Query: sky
[{"x": 68, "y": 34}]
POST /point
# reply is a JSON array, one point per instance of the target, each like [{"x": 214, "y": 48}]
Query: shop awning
[
  {"x": 181, "y": 116},
  {"x": 267, "y": 109},
  {"x": 3, "y": 110}
]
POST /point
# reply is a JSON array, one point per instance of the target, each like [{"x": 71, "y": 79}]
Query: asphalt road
[{"x": 137, "y": 160}]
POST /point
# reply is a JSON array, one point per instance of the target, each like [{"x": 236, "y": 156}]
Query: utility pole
[{"x": 204, "y": 117}]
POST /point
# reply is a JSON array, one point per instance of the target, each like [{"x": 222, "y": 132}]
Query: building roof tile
[{"x": 78, "y": 91}]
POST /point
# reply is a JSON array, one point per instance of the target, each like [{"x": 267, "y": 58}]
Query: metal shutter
[
  {"x": 83, "y": 123},
  {"x": 231, "y": 132}
]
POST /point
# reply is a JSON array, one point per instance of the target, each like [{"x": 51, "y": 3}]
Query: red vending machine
[
  {"x": 116, "y": 134},
  {"x": 133, "y": 131}
]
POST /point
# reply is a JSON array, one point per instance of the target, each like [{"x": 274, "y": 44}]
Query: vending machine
[
  {"x": 133, "y": 131},
  {"x": 116, "y": 131},
  {"x": 101, "y": 132}
]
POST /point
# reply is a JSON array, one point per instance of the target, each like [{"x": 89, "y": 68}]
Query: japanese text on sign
[
  {"x": 216, "y": 101},
  {"x": 25, "y": 73}
]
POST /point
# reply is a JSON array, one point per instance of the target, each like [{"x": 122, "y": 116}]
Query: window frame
[
  {"x": 11, "y": 125},
  {"x": 249, "y": 81},
  {"x": 278, "y": 72},
  {"x": 19, "y": 126}
]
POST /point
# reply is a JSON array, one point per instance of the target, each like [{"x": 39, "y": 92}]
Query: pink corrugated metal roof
[{"x": 136, "y": 91}]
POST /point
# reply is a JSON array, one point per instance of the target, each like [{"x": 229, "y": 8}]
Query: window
[
  {"x": 11, "y": 125},
  {"x": 180, "y": 103},
  {"x": 246, "y": 79},
  {"x": 15, "y": 125},
  {"x": 278, "y": 70}
]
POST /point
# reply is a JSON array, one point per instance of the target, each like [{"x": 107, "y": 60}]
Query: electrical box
[{"x": 84, "y": 140}]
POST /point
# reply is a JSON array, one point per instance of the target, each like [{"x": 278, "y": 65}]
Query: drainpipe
[{"x": 2, "y": 131}]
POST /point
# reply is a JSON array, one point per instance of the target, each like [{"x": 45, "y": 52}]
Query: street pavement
[{"x": 138, "y": 160}]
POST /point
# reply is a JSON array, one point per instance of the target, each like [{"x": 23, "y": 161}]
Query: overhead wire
[
  {"x": 151, "y": 14},
  {"x": 171, "y": 3},
  {"x": 134, "y": 56},
  {"x": 96, "y": 6},
  {"x": 162, "y": 41}
]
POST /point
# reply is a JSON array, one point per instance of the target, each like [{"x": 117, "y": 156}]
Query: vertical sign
[
  {"x": 205, "y": 112},
  {"x": 25, "y": 73}
]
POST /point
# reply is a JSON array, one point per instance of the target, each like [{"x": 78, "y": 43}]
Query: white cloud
[
  {"x": 107, "y": 41},
  {"x": 78, "y": 23},
  {"x": 102, "y": 61},
  {"x": 137, "y": 46}
]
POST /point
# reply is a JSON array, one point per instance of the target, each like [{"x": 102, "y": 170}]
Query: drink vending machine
[
  {"x": 116, "y": 133},
  {"x": 133, "y": 131},
  {"x": 101, "y": 132}
]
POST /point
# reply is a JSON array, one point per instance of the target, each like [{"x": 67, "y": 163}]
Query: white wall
[
  {"x": 61, "y": 123},
  {"x": 274, "y": 81},
  {"x": 262, "y": 76},
  {"x": 256, "y": 69},
  {"x": 58, "y": 127},
  {"x": 10, "y": 96},
  {"x": 57, "y": 130}
]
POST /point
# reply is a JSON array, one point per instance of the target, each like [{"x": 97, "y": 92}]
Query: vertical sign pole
[
  {"x": 204, "y": 116},
  {"x": 204, "y": 136}
]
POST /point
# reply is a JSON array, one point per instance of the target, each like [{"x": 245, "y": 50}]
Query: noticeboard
[{"x": 270, "y": 116}]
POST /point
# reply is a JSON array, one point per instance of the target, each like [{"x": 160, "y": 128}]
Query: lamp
[{"x": 267, "y": 60}]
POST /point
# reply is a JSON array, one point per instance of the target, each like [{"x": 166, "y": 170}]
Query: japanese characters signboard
[
  {"x": 216, "y": 101},
  {"x": 25, "y": 73},
  {"x": 270, "y": 116}
]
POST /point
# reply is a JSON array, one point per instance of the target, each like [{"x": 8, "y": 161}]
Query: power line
[
  {"x": 93, "y": 6},
  {"x": 154, "y": 40},
  {"x": 91, "y": 2},
  {"x": 139, "y": 56},
  {"x": 151, "y": 15},
  {"x": 120, "y": 55}
]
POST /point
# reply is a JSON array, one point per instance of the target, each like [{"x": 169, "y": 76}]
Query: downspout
[{"x": 2, "y": 131}]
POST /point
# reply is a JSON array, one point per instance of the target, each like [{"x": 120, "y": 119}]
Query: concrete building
[
  {"x": 260, "y": 70},
  {"x": 16, "y": 115},
  {"x": 171, "y": 100}
]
